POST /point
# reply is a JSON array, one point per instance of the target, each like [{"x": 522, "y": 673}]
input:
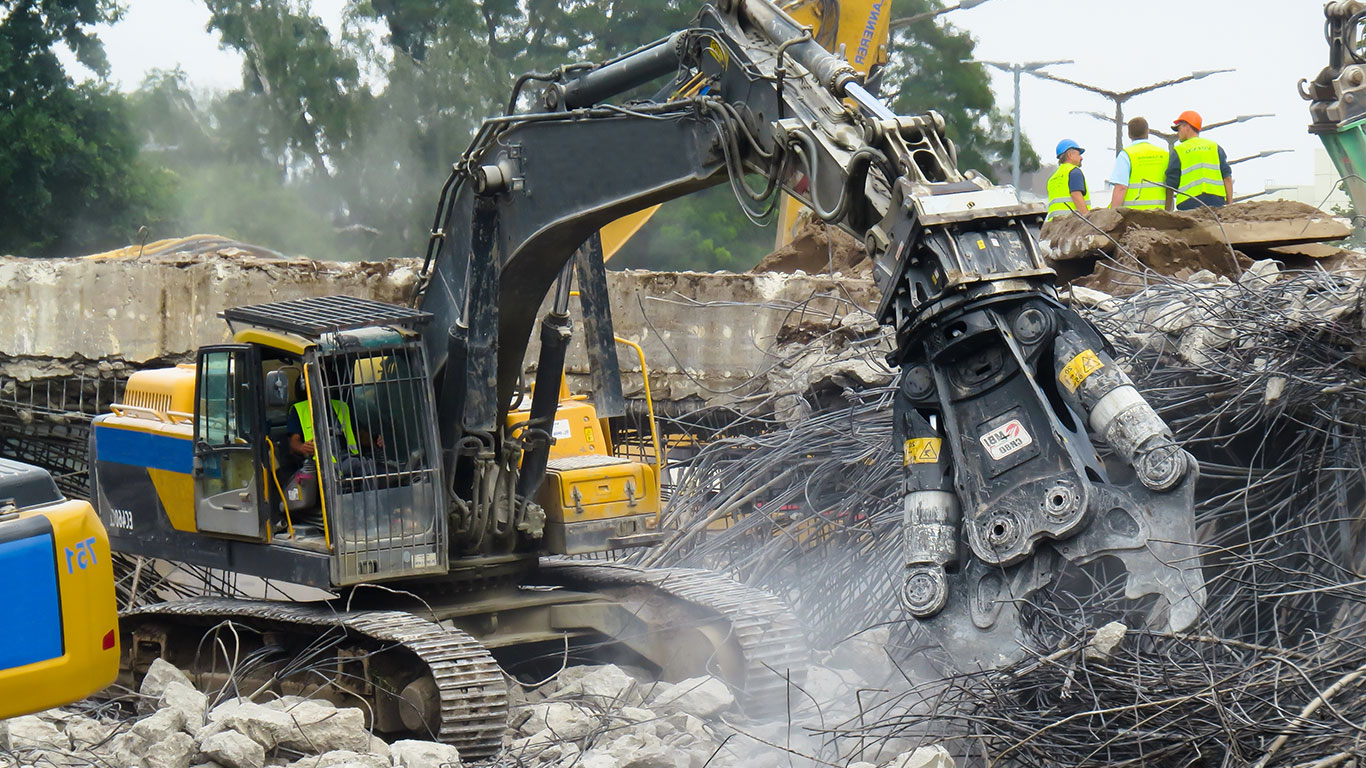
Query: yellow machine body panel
[
  {"x": 589, "y": 495},
  {"x": 596, "y": 491},
  {"x": 862, "y": 30},
  {"x": 164, "y": 448},
  {"x": 62, "y": 643},
  {"x": 576, "y": 430},
  {"x": 162, "y": 392},
  {"x": 591, "y": 500},
  {"x": 286, "y": 342},
  {"x": 619, "y": 232}
]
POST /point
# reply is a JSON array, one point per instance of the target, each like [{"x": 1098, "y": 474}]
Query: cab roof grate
[{"x": 316, "y": 315}]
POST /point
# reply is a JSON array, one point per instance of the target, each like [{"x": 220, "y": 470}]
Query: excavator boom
[{"x": 1001, "y": 384}]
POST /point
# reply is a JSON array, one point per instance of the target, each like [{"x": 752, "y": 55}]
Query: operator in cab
[
  {"x": 347, "y": 455},
  {"x": 1067, "y": 186}
]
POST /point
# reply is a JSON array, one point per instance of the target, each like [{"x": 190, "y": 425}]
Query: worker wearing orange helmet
[{"x": 1198, "y": 174}]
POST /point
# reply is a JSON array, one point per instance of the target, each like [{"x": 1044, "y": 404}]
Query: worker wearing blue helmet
[{"x": 1067, "y": 186}]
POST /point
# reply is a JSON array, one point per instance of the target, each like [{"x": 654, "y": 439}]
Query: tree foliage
[
  {"x": 337, "y": 146},
  {"x": 72, "y": 176}
]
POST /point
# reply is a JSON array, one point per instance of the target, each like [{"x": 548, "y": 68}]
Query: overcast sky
[{"x": 1116, "y": 46}]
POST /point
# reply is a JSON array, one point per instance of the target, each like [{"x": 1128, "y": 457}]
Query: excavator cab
[{"x": 305, "y": 450}]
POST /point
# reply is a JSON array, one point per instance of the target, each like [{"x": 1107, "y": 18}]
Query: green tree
[
  {"x": 70, "y": 167},
  {"x": 339, "y": 146},
  {"x": 925, "y": 72}
]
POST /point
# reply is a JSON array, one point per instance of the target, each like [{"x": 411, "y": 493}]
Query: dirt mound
[
  {"x": 819, "y": 248},
  {"x": 1259, "y": 211},
  {"x": 1239, "y": 226}
]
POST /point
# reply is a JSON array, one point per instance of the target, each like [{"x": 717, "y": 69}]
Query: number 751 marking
[{"x": 82, "y": 557}]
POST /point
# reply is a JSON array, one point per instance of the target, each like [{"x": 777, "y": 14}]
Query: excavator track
[
  {"x": 470, "y": 685},
  {"x": 775, "y": 652}
]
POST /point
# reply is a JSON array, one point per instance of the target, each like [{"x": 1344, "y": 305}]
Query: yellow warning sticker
[
  {"x": 922, "y": 450},
  {"x": 588, "y": 434},
  {"x": 1075, "y": 372},
  {"x": 981, "y": 245}
]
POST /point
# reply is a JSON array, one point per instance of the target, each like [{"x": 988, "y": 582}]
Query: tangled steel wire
[{"x": 1263, "y": 381}]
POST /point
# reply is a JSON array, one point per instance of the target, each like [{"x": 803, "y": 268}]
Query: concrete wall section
[
  {"x": 54, "y": 312},
  {"x": 709, "y": 336},
  {"x": 719, "y": 337}
]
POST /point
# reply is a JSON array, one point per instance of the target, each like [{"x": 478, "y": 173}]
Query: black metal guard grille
[{"x": 317, "y": 315}]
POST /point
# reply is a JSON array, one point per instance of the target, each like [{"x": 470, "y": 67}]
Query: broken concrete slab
[{"x": 1255, "y": 223}]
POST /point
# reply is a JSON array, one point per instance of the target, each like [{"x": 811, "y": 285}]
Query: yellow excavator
[
  {"x": 62, "y": 642},
  {"x": 60, "y": 550}
]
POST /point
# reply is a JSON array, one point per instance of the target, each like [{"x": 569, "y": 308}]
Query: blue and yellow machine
[{"x": 62, "y": 641}]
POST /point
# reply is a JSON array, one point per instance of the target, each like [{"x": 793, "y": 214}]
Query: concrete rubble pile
[
  {"x": 1121, "y": 251},
  {"x": 585, "y": 717},
  {"x": 818, "y": 248}
]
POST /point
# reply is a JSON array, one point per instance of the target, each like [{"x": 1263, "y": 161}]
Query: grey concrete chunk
[
  {"x": 1105, "y": 641},
  {"x": 424, "y": 754},
  {"x": 636, "y": 750},
  {"x": 320, "y": 727},
  {"x": 924, "y": 757},
  {"x": 161, "y": 674},
  {"x": 188, "y": 701},
  {"x": 159, "y": 725},
  {"x": 33, "y": 732},
  {"x": 700, "y": 696},
  {"x": 266, "y": 726},
  {"x": 174, "y": 751},
  {"x": 568, "y": 721},
  {"x": 233, "y": 750},
  {"x": 341, "y": 758},
  {"x": 606, "y": 685}
]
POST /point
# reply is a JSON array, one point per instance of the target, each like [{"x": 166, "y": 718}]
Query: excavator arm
[
  {"x": 1001, "y": 385},
  {"x": 1338, "y": 96}
]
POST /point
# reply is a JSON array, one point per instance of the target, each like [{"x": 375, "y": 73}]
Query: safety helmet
[
  {"x": 1190, "y": 117},
  {"x": 1067, "y": 144}
]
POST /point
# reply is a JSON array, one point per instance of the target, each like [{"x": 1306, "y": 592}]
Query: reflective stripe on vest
[
  {"x": 1200, "y": 172},
  {"x": 1060, "y": 194},
  {"x": 343, "y": 413},
  {"x": 1147, "y": 176}
]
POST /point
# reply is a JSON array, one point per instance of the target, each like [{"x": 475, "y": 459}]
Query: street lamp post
[
  {"x": 1170, "y": 138},
  {"x": 906, "y": 21},
  {"x": 1119, "y": 97},
  {"x": 1267, "y": 191},
  {"x": 1259, "y": 155},
  {"x": 1016, "y": 70}
]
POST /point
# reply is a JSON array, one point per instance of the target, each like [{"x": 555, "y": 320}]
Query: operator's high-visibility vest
[
  {"x": 1147, "y": 176},
  {"x": 1200, "y": 174},
  {"x": 343, "y": 412},
  {"x": 1060, "y": 194}
]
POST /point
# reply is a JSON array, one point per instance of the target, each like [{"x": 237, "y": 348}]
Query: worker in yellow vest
[
  {"x": 1067, "y": 186},
  {"x": 1140, "y": 172},
  {"x": 300, "y": 428},
  {"x": 1198, "y": 173}
]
